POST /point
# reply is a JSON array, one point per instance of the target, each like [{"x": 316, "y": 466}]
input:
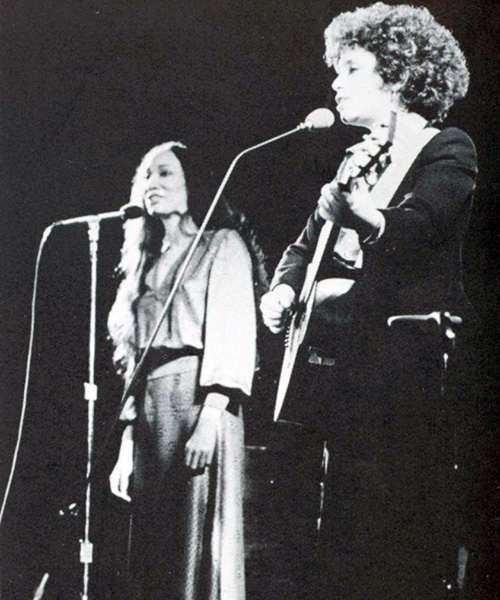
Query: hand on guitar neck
[
  {"x": 350, "y": 208},
  {"x": 346, "y": 200}
]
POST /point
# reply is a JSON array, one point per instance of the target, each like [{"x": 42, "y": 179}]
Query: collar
[{"x": 408, "y": 125}]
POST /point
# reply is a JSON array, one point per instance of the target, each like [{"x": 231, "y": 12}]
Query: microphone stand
[
  {"x": 91, "y": 394},
  {"x": 90, "y": 387}
]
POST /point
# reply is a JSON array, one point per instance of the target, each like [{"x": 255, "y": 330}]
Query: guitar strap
[{"x": 347, "y": 247}]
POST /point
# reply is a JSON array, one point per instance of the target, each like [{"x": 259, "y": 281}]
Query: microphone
[
  {"x": 321, "y": 118},
  {"x": 129, "y": 211}
]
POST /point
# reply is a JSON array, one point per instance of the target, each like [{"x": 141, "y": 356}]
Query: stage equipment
[{"x": 129, "y": 211}]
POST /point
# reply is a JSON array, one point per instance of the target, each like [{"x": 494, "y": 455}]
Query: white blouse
[{"x": 212, "y": 311}]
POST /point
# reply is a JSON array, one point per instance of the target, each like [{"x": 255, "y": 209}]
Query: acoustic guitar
[{"x": 296, "y": 333}]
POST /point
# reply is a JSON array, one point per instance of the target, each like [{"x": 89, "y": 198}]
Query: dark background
[{"x": 87, "y": 88}]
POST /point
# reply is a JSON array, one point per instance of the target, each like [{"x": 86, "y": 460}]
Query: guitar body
[
  {"x": 294, "y": 346},
  {"x": 300, "y": 382},
  {"x": 302, "y": 394}
]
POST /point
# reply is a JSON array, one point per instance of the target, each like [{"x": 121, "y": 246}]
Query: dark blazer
[
  {"x": 396, "y": 436},
  {"x": 415, "y": 267}
]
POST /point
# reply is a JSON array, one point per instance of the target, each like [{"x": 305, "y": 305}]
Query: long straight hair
[{"x": 141, "y": 245}]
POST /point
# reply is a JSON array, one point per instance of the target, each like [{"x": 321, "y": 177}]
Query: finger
[
  {"x": 372, "y": 146},
  {"x": 275, "y": 324},
  {"x": 359, "y": 189},
  {"x": 324, "y": 210},
  {"x": 322, "y": 203},
  {"x": 322, "y": 213},
  {"x": 197, "y": 460},
  {"x": 327, "y": 192},
  {"x": 270, "y": 304},
  {"x": 193, "y": 460},
  {"x": 113, "y": 485},
  {"x": 285, "y": 303},
  {"x": 275, "y": 320},
  {"x": 271, "y": 313},
  {"x": 119, "y": 487},
  {"x": 187, "y": 456},
  {"x": 202, "y": 460},
  {"x": 124, "y": 484},
  {"x": 209, "y": 457},
  {"x": 360, "y": 160},
  {"x": 330, "y": 208},
  {"x": 275, "y": 314}
]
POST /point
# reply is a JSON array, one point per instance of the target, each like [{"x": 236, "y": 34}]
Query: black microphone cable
[{"x": 45, "y": 236}]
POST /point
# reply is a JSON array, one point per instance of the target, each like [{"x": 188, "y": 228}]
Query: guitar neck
[{"x": 313, "y": 267}]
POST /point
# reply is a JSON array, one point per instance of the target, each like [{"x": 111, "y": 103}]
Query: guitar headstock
[{"x": 370, "y": 159}]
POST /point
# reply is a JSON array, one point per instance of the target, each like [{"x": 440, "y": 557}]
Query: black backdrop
[{"x": 87, "y": 88}]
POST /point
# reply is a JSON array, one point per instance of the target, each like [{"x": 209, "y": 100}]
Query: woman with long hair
[
  {"x": 394, "y": 519},
  {"x": 183, "y": 430}
]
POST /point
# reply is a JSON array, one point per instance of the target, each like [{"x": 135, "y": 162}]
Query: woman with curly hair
[
  {"x": 183, "y": 429},
  {"x": 393, "y": 525}
]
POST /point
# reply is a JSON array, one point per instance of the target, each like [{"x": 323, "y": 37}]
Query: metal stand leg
[
  {"x": 322, "y": 485},
  {"x": 40, "y": 590},
  {"x": 86, "y": 547}
]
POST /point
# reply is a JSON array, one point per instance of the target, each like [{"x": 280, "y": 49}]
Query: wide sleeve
[
  {"x": 128, "y": 413},
  {"x": 229, "y": 352},
  {"x": 293, "y": 264},
  {"x": 440, "y": 198}
]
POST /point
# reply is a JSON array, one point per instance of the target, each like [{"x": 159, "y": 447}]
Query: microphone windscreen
[
  {"x": 132, "y": 211},
  {"x": 321, "y": 118}
]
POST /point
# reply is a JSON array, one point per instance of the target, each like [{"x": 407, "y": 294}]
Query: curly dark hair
[{"x": 412, "y": 50}]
